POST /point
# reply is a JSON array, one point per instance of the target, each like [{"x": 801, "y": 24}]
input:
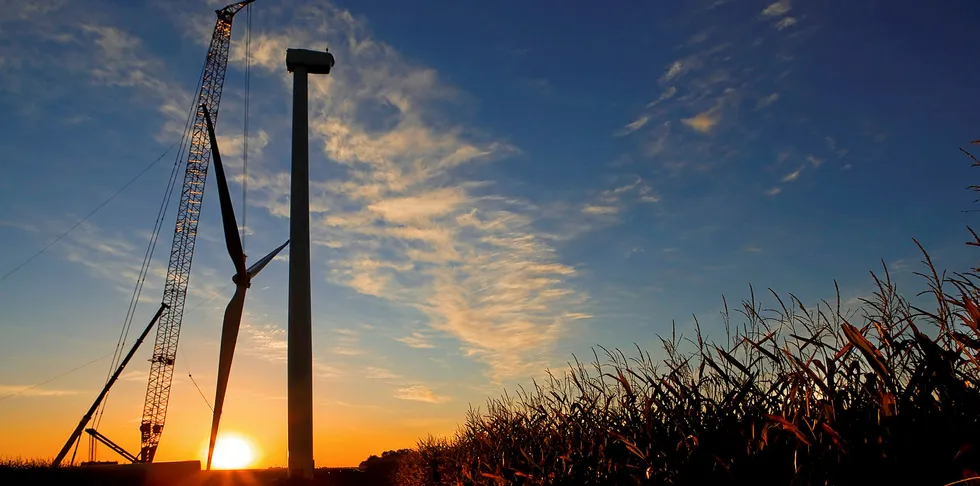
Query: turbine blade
[
  {"x": 229, "y": 337},
  {"x": 259, "y": 265},
  {"x": 232, "y": 240}
]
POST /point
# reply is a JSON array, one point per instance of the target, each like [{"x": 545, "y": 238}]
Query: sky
[{"x": 496, "y": 187}]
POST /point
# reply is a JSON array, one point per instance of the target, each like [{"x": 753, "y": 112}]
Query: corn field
[{"x": 800, "y": 395}]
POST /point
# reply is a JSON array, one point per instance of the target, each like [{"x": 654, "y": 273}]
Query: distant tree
[{"x": 380, "y": 471}]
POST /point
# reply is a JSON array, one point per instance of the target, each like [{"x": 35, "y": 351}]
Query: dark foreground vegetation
[{"x": 798, "y": 394}]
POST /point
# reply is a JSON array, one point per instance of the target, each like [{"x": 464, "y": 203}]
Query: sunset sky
[{"x": 496, "y": 186}]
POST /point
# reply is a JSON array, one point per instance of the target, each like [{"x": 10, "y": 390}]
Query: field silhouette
[{"x": 795, "y": 393}]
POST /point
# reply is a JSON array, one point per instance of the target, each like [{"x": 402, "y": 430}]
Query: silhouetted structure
[
  {"x": 243, "y": 280},
  {"x": 301, "y": 63},
  {"x": 185, "y": 236}
]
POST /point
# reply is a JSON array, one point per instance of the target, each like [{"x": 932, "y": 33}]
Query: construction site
[
  {"x": 198, "y": 152},
  {"x": 457, "y": 257}
]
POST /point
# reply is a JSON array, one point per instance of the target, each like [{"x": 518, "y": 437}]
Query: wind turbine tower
[{"x": 301, "y": 63}]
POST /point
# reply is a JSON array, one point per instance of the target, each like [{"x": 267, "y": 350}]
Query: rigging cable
[
  {"x": 87, "y": 216},
  {"x": 147, "y": 256},
  {"x": 248, "y": 82},
  {"x": 49, "y": 380},
  {"x": 206, "y": 402},
  {"x": 189, "y": 375},
  {"x": 74, "y": 452}
]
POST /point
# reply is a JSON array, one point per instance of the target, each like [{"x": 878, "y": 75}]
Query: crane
[
  {"x": 185, "y": 235},
  {"x": 98, "y": 401},
  {"x": 171, "y": 312}
]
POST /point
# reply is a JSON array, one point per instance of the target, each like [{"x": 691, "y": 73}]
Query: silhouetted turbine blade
[
  {"x": 259, "y": 265},
  {"x": 229, "y": 337},
  {"x": 232, "y": 240}
]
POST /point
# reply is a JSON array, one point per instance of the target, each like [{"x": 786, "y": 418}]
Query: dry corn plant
[{"x": 794, "y": 395}]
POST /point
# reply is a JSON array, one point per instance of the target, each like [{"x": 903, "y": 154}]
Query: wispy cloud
[
  {"x": 664, "y": 96},
  {"x": 779, "y": 10},
  {"x": 116, "y": 257},
  {"x": 28, "y": 10},
  {"x": 376, "y": 373},
  {"x": 605, "y": 207},
  {"x": 122, "y": 64},
  {"x": 133, "y": 375},
  {"x": 776, "y": 9},
  {"x": 633, "y": 126},
  {"x": 232, "y": 145},
  {"x": 111, "y": 256},
  {"x": 676, "y": 69},
  {"x": 122, "y": 60},
  {"x": 19, "y": 225},
  {"x": 400, "y": 223},
  {"x": 786, "y": 22},
  {"x": 420, "y": 393},
  {"x": 264, "y": 341},
  {"x": 347, "y": 343},
  {"x": 27, "y": 391},
  {"x": 328, "y": 371},
  {"x": 590, "y": 209},
  {"x": 702, "y": 122},
  {"x": 703, "y": 91},
  {"x": 766, "y": 101},
  {"x": 792, "y": 176},
  {"x": 638, "y": 190},
  {"x": 416, "y": 340},
  {"x": 346, "y": 351}
]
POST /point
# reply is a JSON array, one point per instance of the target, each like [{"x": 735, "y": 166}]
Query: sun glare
[{"x": 232, "y": 452}]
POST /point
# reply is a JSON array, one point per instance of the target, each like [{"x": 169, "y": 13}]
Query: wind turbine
[{"x": 243, "y": 280}]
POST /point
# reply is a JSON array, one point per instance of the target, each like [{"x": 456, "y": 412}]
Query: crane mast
[{"x": 185, "y": 235}]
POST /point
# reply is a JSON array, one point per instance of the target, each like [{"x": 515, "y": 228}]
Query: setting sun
[{"x": 232, "y": 452}]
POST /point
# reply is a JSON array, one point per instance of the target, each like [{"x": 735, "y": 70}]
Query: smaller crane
[{"x": 75, "y": 434}]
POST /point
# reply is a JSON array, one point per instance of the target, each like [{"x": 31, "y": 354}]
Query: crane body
[{"x": 185, "y": 235}]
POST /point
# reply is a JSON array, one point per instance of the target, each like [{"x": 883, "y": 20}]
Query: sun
[{"x": 232, "y": 452}]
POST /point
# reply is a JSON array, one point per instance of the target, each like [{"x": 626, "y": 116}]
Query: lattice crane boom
[{"x": 185, "y": 235}]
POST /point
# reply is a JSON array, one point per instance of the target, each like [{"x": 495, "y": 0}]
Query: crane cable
[
  {"x": 147, "y": 256},
  {"x": 87, "y": 216},
  {"x": 193, "y": 381},
  {"x": 248, "y": 82},
  {"x": 49, "y": 380}
]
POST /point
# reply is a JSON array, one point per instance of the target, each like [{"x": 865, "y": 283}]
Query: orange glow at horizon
[{"x": 349, "y": 426}]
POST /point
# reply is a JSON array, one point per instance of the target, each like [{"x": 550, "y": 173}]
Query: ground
[{"x": 108, "y": 476}]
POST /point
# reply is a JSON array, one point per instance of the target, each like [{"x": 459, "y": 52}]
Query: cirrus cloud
[
  {"x": 419, "y": 393},
  {"x": 401, "y": 222}
]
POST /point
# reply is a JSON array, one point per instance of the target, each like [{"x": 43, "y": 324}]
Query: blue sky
[{"x": 495, "y": 186}]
